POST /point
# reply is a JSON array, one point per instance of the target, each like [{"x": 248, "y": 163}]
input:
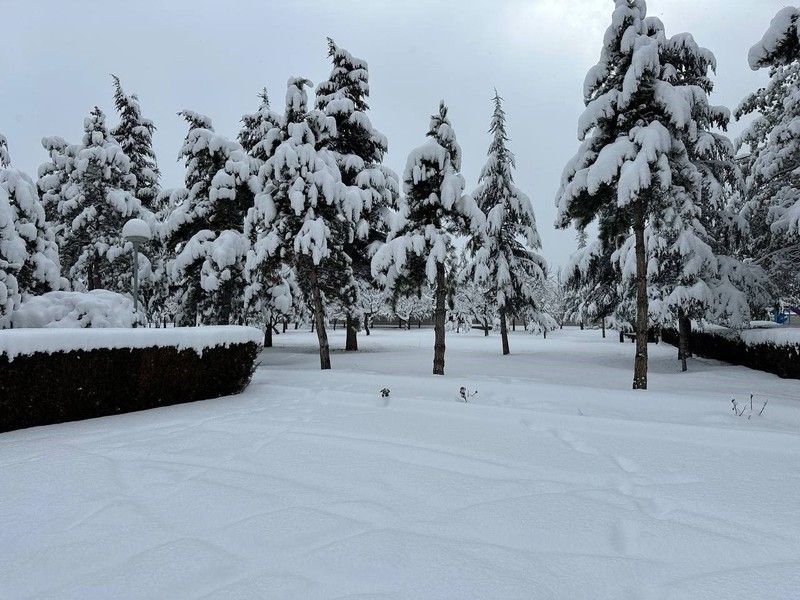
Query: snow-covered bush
[
  {"x": 98, "y": 372},
  {"x": 98, "y": 308}
]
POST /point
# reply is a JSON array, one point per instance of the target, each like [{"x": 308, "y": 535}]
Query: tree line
[{"x": 296, "y": 214}]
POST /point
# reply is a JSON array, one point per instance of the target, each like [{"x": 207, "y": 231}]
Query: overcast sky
[{"x": 214, "y": 57}]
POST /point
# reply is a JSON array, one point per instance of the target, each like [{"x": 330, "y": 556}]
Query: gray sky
[{"x": 214, "y": 57}]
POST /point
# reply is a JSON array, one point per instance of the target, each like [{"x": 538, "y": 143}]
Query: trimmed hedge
[
  {"x": 781, "y": 359},
  {"x": 46, "y": 388}
]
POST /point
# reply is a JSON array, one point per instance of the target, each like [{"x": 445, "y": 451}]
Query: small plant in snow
[
  {"x": 739, "y": 413},
  {"x": 466, "y": 394},
  {"x": 385, "y": 393}
]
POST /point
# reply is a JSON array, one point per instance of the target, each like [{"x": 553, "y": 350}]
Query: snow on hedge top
[
  {"x": 761, "y": 332},
  {"x": 21, "y": 342}
]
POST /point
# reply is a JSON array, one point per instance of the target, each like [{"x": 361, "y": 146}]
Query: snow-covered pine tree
[
  {"x": 505, "y": 256},
  {"x": 261, "y": 131},
  {"x": 53, "y": 177},
  {"x": 40, "y": 270},
  {"x": 206, "y": 229},
  {"x": 633, "y": 167},
  {"x": 359, "y": 149},
  {"x": 271, "y": 284},
  {"x": 12, "y": 250},
  {"x": 92, "y": 207},
  {"x": 772, "y": 202},
  {"x": 436, "y": 209},
  {"x": 134, "y": 134},
  {"x": 307, "y": 215}
]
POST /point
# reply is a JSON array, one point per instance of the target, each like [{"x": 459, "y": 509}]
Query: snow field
[{"x": 556, "y": 481}]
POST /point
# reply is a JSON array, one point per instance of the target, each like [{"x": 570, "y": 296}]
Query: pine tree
[
  {"x": 92, "y": 207},
  {"x": 271, "y": 284},
  {"x": 436, "y": 209},
  {"x": 53, "y": 178},
  {"x": 505, "y": 251},
  {"x": 305, "y": 211},
  {"x": 261, "y": 131},
  {"x": 772, "y": 202},
  {"x": 134, "y": 134},
  {"x": 12, "y": 249},
  {"x": 205, "y": 230},
  {"x": 359, "y": 149},
  {"x": 633, "y": 169},
  {"x": 29, "y": 263}
]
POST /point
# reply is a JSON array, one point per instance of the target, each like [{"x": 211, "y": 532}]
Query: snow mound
[
  {"x": 98, "y": 308},
  {"x": 18, "y": 342}
]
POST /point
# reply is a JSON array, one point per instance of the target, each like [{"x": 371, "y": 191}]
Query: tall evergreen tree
[
  {"x": 435, "y": 210},
  {"x": 93, "y": 205},
  {"x": 359, "y": 149},
  {"x": 206, "y": 229},
  {"x": 772, "y": 202},
  {"x": 40, "y": 271},
  {"x": 134, "y": 134},
  {"x": 270, "y": 282},
  {"x": 505, "y": 250},
  {"x": 306, "y": 213},
  {"x": 12, "y": 249},
  {"x": 633, "y": 169}
]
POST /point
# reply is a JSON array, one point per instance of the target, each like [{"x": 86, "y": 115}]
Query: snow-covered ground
[{"x": 555, "y": 481}]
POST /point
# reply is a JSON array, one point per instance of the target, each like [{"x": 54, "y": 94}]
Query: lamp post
[{"x": 136, "y": 232}]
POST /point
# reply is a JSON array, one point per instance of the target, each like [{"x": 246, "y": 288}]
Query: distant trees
[{"x": 435, "y": 209}]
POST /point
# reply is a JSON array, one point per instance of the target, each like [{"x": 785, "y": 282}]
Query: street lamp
[{"x": 136, "y": 232}]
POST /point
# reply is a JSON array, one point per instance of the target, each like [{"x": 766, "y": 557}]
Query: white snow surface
[
  {"x": 555, "y": 481},
  {"x": 18, "y": 342}
]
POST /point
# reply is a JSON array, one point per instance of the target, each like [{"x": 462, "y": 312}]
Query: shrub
[
  {"x": 43, "y": 387},
  {"x": 781, "y": 358}
]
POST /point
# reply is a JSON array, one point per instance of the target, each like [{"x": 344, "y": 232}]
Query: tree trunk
[
  {"x": 684, "y": 335},
  {"x": 439, "y": 316},
  {"x": 513, "y": 323},
  {"x": 351, "y": 341},
  {"x": 504, "y": 332},
  {"x": 366, "y": 324},
  {"x": 544, "y": 333},
  {"x": 319, "y": 316},
  {"x": 285, "y": 325},
  {"x": 640, "y": 362},
  {"x": 486, "y": 328},
  {"x": 268, "y": 336},
  {"x": 603, "y": 325}
]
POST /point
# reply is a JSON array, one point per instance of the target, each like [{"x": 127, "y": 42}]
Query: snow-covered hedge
[
  {"x": 56, "y": 375},
  {"x": 98, "y": 308},
  {"x": 772, "y": 350}
]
